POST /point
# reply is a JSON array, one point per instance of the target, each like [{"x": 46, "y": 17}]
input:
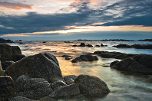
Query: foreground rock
[
  {"x": 69, "y": 79},
  {"x": 92, "y": 86},
  {"x": 9, "y": 53},
  {"x": 66, "y": 91},
  {"x": 117, "y": 55},
  {"x": 6, "y": 64},
  {"x": 1, "y": 70},
  {"x": 42, "y": 65},
  {"x": 139, "y": 64},
  {"x": 87, "y": 57},
  {"x": 5, "y": 41},
  {"x": 20, "y": 98},
  {"x": 33, "y": 88},
  {"x": 7, "y": 89}
]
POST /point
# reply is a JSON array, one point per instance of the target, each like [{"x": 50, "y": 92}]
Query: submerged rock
[
  {"x": 139, "y": 64},
  {"x": 42, "y": 65},
  {"x": 91, "y": 86},
  {"x": 7, "y": 88},
  {"x": 66, "y": 91},
  {"x": 33, "y": 88}
]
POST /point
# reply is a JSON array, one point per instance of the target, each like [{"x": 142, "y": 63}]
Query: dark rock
[
  {"x": 44, "y": 42},
  {"x": 74, "y": 45},
  {"x": 113, "y": 63},
  {"x": 92, "y": 86},
  {"x": 68, "y": 58},
  {"x": 87, "y": 57},
  {"x": 5, "y": 41},
  {"x": 66, "y": 91},
  {"x": 146, "y": 40},
  {"x": 7, "y": 89},
  {"x": 89, "y": 45},
  {"x": 138, "y": 46},
  {"x": 47, "y": 98},
  {"x": 20, "y": 98},
  {"x": 18, "y": 57},
  {"x": 97, "y": 45},
  {"x": 56, "y": 85},
  {"x": 1, "y": 70},
  {"x": 139, "y": 64},
  {"x": 33, "y": 88},
  {"x": 6, "y": 64},
  {"x": 42, "y": 65},
  {"x": 82, "y": 45},
  {"x": 122, "y": 46},
  {"x": 103, "y": 45},
  {"x": 69, "y": 79},
  {"x": 8, "y": 52}
]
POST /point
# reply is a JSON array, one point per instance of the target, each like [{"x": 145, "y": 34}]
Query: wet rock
[
  {"x": 1, "y": 70},
  {"x": 139, "y": 64},
  {"x": 82, "y": 45},
  {"x": 18, "y": 57},
  {"x": 74, "y": 45},
  {"x": 56, "y": 85},
  {"x": 87, "y": 57},
  {"x": 7, "y": 89},
  {"x": 92, "y": 86},
  {"x": 67, "y": 57},
  {"x": 6, "y": 64},
  {"x": 138, "y": 46},
  {"x": 5, "y": 41},
  {"x": 47, "y": 98},
  {"x": 20, "y": 98},
  {"x": 97, "y": 45},
  {"x": 66, "y": 91},
  {"x": 122, "y": 46},
  {"x": 102, "y": 45},
  {"x": 69, "y": 79},
  {"x": 89, "y": 45},
  {"x": 42, "y": 65},
  {"x": 33, "y": 88},
  {"x": 8, "y": 52}
]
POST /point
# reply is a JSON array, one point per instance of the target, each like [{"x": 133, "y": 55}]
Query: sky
[{"x": 75, "y": 19}]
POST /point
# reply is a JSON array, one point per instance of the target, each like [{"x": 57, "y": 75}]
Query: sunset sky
[{"x": 46, "y": 18}]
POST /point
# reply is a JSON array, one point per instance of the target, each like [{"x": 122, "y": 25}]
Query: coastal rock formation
[
  {"x": 7, "y": 89},
  {"x": 6, "y": 64},
  {"x": 67, "y": 57},
  {"x": 8, "y": 53},
  {"x": 69, "y": 79},
  {"x": 117, "y": 55},
  {"x": 20, "y": 98},
  {"x": 122, "y": 46},
  {"x": 137, "y": 46},
  {"x": 42, "y": 65},
  {"x": 33, "y": 88},
  {"x": 87, "y": 57},
  {"x": 139, "y": 64},
  {"x": 5, "y": 41},
  {"x": 58, "y": 84},
  {"x": 83, "y": 45},
  {"x": 66, "y": 91},
  {"x": 1, "y": 70},
  {"x": 92, "y": 86}
]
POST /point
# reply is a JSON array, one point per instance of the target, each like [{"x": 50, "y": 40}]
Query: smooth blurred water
[{"x": 123, "y": 86}]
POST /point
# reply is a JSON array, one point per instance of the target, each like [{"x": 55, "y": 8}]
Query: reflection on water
[{"x": 123, "y": 86}]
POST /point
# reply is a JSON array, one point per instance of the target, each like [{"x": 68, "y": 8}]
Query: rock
[
  {"x": 89, "y": 45},
  {"x": 56, "y": 85},
  {"x": 122, "y": 46},
  {"x": 69, "y": 79},
  {"x": 5, "y": 41},
  {"x": 103, "y": 45},
  {"x": 74, "y": 45},
  {"x": 33, "y": 88},
  {"x": 42, "y": 65},
  {"x": 44, "y": 42},
  {"x": 1, "y": 70},
  {"x": 18, "y": 57},
  {"x": 6, "y": 64},
  {"x": 8, "y": 52},
  {"x": 48, "y": 98},
  {"x": 87, "y": 57},
  {"x": 91, "y": 86},
  {"x": 139, "y": 64},
  {"x": 66, "y": 91},
  {"x": 7, "y": 89},
  {"x": 82, "y": 45},
  {"x": 138, "y": 46},
  {"x": 20, "y": 98},
  {"x": 67, "y": 57},
  {"x": 97, "y": 45}
]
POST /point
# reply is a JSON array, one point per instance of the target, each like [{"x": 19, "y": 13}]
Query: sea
[{"x": 123, "y": 86}]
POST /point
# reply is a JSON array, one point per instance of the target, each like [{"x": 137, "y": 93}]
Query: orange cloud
[
  {"x": 14, "y": 35},
  {"x": 16, "y": 6}
]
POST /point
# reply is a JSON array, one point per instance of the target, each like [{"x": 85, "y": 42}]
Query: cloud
[{"x": 15, "y": 5}]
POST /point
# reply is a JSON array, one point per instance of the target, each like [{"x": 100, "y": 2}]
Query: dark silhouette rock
[
  {"x": 97, "y": 45},
  {"x": 42, "y": 65},
  {"x": 33, "y": 88},
  {"x": 122, "y": 46},
  {"x": 89, "y": 45},
  {"x": 69, "y": 79},
  {"x": 66, "y": 91},
  {"x": 138, "y": 46},
  {"x": 1, "y": 70},
  {"x": 67, "y": 57},
  {"x": 139, "y": 64},
  {"x": 5, "y": 41},
  {"x": 56, "y": 85},
  {"x": 18, "y": 57},
  {"x": 91, "y": 86},
  {"x": 102, "y": 45},
  {"x": 20, "y": 98},
  {"x": 74, "y": 45},
  {"x": 82, "y": 45},
  {"x": 87, "y": 57},
  {"x": 7, "y": 88},
  {"x": 6, "y": 64}
]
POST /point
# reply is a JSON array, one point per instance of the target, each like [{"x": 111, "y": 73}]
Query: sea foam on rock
[{"x": 42, "y": 65}]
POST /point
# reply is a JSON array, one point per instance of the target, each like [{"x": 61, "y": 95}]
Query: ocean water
[{"x": 123, "y": 86}]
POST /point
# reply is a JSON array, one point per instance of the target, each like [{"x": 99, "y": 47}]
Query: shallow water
[{"x": 123, "y": 86}]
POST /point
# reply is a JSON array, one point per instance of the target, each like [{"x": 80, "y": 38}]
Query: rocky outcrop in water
[
  {"x": 138, "y": 64},
  {"x": 7, "y": 88},
  {"x": 91, "y": 86},
  {"x": 10, "y": 53},
  {"x": 83, "y": 45},
  {"x": 5, "y": 41},
  {"x": 137, "y": 46},
  {"x": 87, "y": 57},
  {"x": 42, "y": 65}
]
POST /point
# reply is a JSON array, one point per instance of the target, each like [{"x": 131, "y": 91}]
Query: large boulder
[
  {"x": 122, "y": 46},
  {"x": 66, "y": 91},
  {"x": 6, "y": 64},
  {"x": 33, "y": 88},
  {"x": 42, "y": 65},
  {"x": 139, "y": 64},
  {"x": 1, "y": 70},
  {"x": 69, "y": 79},
  {"x": 20, "y": 98},
  {"x": 56, "y": 85},
  {"x": 9, "y": 52},
  {"x": 7, "y": 88},
  {"x": 92, "y": 86}
]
